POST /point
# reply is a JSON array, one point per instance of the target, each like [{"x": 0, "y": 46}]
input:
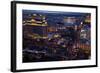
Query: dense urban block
[{"x": 56, "y": 36}]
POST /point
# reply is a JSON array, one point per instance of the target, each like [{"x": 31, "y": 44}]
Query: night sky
[{"x": 55, "y": 17}]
